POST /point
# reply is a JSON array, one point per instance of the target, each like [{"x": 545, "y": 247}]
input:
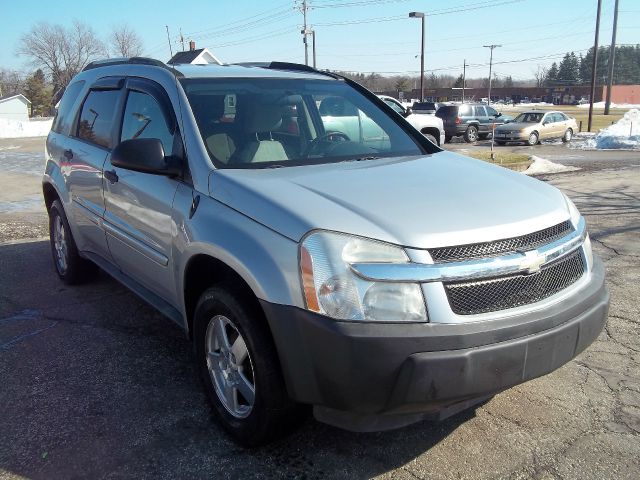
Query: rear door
[
  {"x": 84, "y": 153},
  {"x": 138, "y": 217}
]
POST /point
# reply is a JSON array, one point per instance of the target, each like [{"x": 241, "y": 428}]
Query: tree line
[
  {"x": 576, "y": 69},
  {"x": 58, "y": 53}
]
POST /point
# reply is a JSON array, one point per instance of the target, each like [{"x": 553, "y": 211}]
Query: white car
[{"x": 429, "y": 125}]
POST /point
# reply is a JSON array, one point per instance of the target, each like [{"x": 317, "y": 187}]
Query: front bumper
[
  {"x": 511, "y": 137},
  {"x": 376, "y": 376}
]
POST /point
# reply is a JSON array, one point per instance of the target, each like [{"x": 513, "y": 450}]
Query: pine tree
[
  {"x": 552, "y": 75},
  {"x": 459, "y": 82},
  {"x": 508, "y": 82},
  {"x": 38, "y": 92}
]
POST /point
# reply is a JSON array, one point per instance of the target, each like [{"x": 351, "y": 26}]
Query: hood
[
  {"x": 517, "y": 126},
  {"x": 420, "y": 202}
]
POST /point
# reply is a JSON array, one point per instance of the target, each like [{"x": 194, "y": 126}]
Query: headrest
[
  {"x": 337, "y": 107},
  {"x": 208, "y": 107},
  {"x": 260, "y": 117}
]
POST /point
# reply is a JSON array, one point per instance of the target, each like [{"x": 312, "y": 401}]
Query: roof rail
[
  {"x": 293, "y": 67},
  {"x": 128, "y": 61}
]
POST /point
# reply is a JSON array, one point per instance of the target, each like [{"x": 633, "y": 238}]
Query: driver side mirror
[
  {"x": 498, "y": 114},
  {"x": 145, "y": 155},
  {"x": 407, "y": 112}
]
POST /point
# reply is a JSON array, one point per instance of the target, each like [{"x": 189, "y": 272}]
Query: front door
[{"x": 138, "y": 216}]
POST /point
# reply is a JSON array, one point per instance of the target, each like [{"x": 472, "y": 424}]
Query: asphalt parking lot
[{"x": 96, "y": 384}]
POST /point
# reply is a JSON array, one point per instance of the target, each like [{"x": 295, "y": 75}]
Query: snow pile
[
  {"x": 541, "y": 166},
  {"x": 624, "y": 134},
  {"x": 613, "y": 105},
  {"x": 17, "y": 129}
]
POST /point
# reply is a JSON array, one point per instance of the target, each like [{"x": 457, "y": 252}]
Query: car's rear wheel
[
  {"x": 471, "y": 134},
  {"x": 568, "y": 135},
  {"x": 70, "y": 267},
  {"x": 533, "y": 139},
  {"x": 239, "y": 366},
  {"x": 431, "y": 138}
]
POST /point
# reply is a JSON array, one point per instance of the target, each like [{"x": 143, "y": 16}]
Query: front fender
[{"x": 266, "y": 260}]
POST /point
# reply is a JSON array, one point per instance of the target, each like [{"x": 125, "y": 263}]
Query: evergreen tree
[
  {"x": 569, "y": 70},
  {"x": 508, "y": 82},
  {"x": 552, "y": 75},
  {"x": 37, "y": 91},
  {"x": 459, "y": 82}
]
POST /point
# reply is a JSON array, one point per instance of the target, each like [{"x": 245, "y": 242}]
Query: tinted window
[
  {"x": 143, "y": 118},
  {"x": 64, "y": 117},
  {"x": 447, "y": 111},
  {"x": 480, "y": 111},
  {"x": 96, "y": 117},
  {"x": 491, "y": 111}
]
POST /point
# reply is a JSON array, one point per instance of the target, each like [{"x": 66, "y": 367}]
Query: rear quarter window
[
  {"x": 448, "y": 111},
  {"x": 64, "y": 117}
]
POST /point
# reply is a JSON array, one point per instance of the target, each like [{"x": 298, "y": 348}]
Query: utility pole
[
  {"x": 182, "y": 39},
  {"x": 305, "y": 32},
  {"x": 490, "y": 66},
  {"x": 169, "y": 40},
  {"x": 421, "y": 16},
  {"x": 594, "y": 66},
  {"x": 313, "y": 37},
  {"x": 612, "y": 55},
  {"x": 464, "y": 76}
]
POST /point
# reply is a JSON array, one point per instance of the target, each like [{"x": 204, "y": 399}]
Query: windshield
[
  {"x": 529, "y": 117},
  {"x": 266, "y": 122}
]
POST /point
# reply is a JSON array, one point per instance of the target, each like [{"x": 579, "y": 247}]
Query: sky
[{"x": 352, "y": 35}]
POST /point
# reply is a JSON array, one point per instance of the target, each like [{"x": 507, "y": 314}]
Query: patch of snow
[
  {"x": 613, "y": 105},
  {"x": 9, "y": 147},
  {"x": 542, "y": 166},
  {"x": 624, "y": 134},
  {"x": 19, "y": 129}
]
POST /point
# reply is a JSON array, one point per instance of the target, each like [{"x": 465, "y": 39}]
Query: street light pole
[
  {"x": 421, "y": 16},
  {"x": 594, "y": 66},
  {"x": 612, "y": 54},
  {"x": 490, "y": 67}
]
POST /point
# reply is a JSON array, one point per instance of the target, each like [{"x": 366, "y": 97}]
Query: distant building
[
  {"x": 15, "y": 107},
  {"x": 193, "y": 56}
]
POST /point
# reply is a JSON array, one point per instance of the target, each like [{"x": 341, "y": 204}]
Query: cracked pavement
[{"x": 96, "y": 384}]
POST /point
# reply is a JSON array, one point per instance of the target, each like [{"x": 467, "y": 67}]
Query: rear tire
[
  {"x": 229, "y": 376},
  {"x": 568, "y": 135},
  {"x": 471, "y": 134},
  {"x": 70, "y": 267},
  {"x": 431, "y": 138},
  {"x": 533, "y": 139}
]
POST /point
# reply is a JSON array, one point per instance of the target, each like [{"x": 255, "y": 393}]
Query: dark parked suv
[{"x": 472, "y": 121}]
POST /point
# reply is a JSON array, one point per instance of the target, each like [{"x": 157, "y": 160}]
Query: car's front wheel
[
  {"x": 431, "y": 138},
  {"x": 533, "y": 139},
  {"x": 240, "y": 369}
]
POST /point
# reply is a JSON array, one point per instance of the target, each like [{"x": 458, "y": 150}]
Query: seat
[
  {"x": 260, "y": 121},
  {"x": 218, "y": 135}
]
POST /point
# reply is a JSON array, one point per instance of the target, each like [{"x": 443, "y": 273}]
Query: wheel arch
[{"x": 432, "y": 131}]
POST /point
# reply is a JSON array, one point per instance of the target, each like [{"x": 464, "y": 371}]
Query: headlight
[
  {"x": 573, "y": 212},
  {"x": 331, "y": 288}
]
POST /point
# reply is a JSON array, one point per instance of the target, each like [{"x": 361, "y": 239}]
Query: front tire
[
  {"x": 471, "y": 134},
  {"x": 70, "y": 267},
  {"x": 568, "y": 135},
  {"x": 533, "y": 139},
  {"x": 431, "y": 138},
  {"x": 239, "y": 366}
]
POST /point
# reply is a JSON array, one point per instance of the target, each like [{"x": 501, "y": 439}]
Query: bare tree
[
  {"x": 61, "y": 52},
  {"x": 11, "y": 81},
  {"x": 540, "y": 75},
  {"x": 124, "y": 42}
]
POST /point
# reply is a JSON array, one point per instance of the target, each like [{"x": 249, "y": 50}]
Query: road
[{"x": 96, "y": 384}]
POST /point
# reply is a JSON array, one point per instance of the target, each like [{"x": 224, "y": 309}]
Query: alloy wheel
[
  {"x": 60, "y": 245},
  {"x": 230, "y": 366}
]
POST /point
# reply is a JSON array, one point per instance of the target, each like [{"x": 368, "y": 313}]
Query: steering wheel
[{"x": 332, "y": 136}]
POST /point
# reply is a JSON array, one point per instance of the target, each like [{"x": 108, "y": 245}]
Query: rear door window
[{"x": 96, "y": 117}]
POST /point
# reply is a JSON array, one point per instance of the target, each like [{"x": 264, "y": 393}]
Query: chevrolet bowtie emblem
[{"x": 532, "y": 261}]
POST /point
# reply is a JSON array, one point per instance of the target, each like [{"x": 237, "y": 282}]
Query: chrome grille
[
  {"x": 469, "y": 298},
  {"x": 501, "y": 247}
]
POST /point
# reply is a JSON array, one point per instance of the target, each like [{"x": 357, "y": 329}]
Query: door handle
[
  {"x": 111, "y": 175},
  {"x": 68, "y": 154}
]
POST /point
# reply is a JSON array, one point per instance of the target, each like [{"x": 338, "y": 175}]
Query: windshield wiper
[{"x": 360, "y": 159}]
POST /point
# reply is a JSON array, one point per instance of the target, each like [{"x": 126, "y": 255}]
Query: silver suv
[{"x": 360, "y": 271}]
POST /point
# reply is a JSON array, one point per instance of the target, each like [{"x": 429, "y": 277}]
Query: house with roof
[
  {"x": 194, "y": 56},
  {"x": 15, "y": 107}
]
